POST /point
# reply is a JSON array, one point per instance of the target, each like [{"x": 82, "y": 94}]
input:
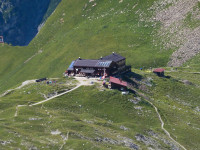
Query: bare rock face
[
  {"x": 20, "y": 19},
  {"x": 188, "y": 50},
  {"x": 176, "y": 12},
  {"x": 175, "y": 32},
  {"x": 179, "y": 22}
]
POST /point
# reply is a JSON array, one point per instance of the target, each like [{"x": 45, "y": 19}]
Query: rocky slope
[
  {"x": 19, "y": 20},
  {"x": 179, "y": 22}
]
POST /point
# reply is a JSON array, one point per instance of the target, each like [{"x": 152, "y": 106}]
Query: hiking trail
[{"x": 147, "y": 99}]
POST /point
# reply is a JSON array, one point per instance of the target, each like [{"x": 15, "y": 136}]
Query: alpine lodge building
[{"x": 105, "y": 66}]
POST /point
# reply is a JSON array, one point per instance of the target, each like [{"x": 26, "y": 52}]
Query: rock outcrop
[{"x": 20, "y": 19}]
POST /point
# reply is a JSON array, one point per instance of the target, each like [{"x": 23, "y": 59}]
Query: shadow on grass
[
  {"x": 168, "y": 77},
  {"x": 132, "y": 78},
  {"x": 134, "y": 75},
  {"x": 131, "y": 91}
]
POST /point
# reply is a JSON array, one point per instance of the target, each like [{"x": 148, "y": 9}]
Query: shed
[
  {"x": 159, "y": 71},
  {"x": 118, "y": 83}
]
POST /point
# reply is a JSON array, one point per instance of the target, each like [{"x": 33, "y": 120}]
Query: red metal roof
[
  {"x": 158, "y": 70},
  {"x": 118, "y": 81}
]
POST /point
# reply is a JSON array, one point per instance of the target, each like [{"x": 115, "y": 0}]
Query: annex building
[{"x": 105, "y": 66}]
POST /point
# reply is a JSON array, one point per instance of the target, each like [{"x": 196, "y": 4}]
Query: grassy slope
[
  {"x": 87, "y": 112},
  {"x": 178, "y": 104},
  {"x": 89, "y": 32},
  {"x": 78, "y": 36},
  {"x": 52, "y": 6},
  {"x": 11, "y": 61},
  {"x": 79, "y": 113},
  {"x": 194, "y": 63}
]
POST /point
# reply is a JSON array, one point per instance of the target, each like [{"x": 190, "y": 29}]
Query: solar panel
[
  {"x": 104, "y": 63},
  {"x": 92, "y": 63}
]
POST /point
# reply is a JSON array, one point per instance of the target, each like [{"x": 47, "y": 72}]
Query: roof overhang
[{"x": 87, "y": 71}]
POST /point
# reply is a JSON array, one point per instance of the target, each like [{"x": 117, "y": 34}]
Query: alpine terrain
[{"x": 43, "y": 106}]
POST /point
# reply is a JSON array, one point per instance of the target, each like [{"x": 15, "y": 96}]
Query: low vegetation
[
  {"x": 177, "y": 98},
  {"x": 91, "y": 119},
  {"x": 94, "y": 117},
  {"x": 81, "y": 28},
  {"x": 97, "y": 118},
  {"x": 91, "y": 29}
]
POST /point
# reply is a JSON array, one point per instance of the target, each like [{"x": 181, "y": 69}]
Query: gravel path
[
  {"x": 87, "y": 82},
  {"x": 82, "y": 82},
  {"x": 41, "y": 102},
  {"x": 56, "y": 96},
  {"x": 160, "y": 118},
  {"x": 21, "y": 86}
]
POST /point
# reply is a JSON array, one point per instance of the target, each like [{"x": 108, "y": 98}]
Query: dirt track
[
  {"x": 19, "y": 87},
  {"x": 160, "y": 118},
  {"x": 82, "y": 82}
]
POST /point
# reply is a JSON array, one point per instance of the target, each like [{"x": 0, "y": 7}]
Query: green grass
[
  {"x": 91, "y": 32},
  {"x": 33, "y": 93},
  {"x": 88, "y": 32},
  {"x": 177, "y": 104},
  {"x": 52, "y": 6},
  {"x": 194, "y": 64},
  {"x": 191, "y": 22},
  {"x": 86, "y": 113}
]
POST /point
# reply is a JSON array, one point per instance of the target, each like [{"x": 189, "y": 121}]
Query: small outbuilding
[
  {"x": 159, "y": 72},
  {"x": 116, "y": 83}
]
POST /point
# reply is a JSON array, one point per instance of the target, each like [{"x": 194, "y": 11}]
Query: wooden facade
[{"x": 105, "y": 66}]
